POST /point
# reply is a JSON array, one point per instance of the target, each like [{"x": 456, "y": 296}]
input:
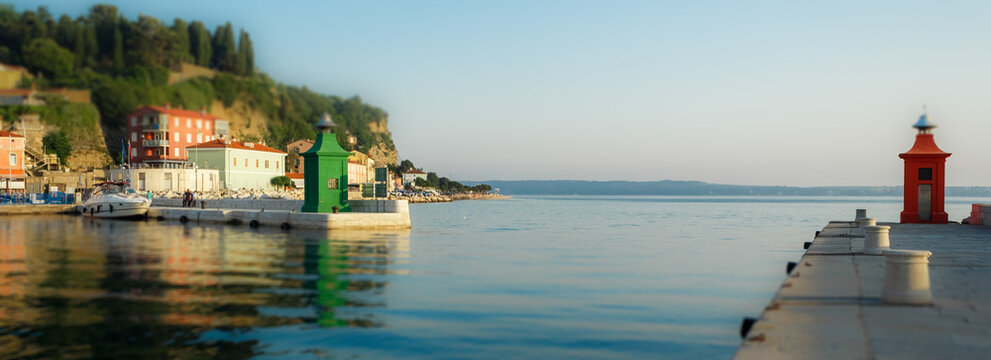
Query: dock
[
  {"x": 32, "y": 209},
  {"x": 829, "y": 306},
  {"x": 285, "y": 214}
]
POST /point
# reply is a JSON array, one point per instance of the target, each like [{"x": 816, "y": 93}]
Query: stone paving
[{"x": 830, "y": 307}]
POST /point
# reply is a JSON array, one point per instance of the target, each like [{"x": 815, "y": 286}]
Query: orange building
[
  {"x": 159, "y": 135},
  {"x": 12, "y": 162}
]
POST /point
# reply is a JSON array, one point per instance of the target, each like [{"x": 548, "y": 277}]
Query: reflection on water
[
  {"x": 74, "y": 287},
  {"x": 532, "y": 277}
]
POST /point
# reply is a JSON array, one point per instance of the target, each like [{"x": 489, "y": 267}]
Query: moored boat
[{"x": 111, "y": 200}]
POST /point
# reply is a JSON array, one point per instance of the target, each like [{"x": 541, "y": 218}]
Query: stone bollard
[
  {"x": 906, "y": 278},
  {"x": 861, "y": 214},
  {"x": 876, "y": 241},
  {"x": 865, "y": 222}
]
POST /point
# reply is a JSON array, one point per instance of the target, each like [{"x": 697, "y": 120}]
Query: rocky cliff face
[
  {"x": 380, "y": 152},
  {"x": 383, "y": 156},
  {"x": 245, "y": 121}
]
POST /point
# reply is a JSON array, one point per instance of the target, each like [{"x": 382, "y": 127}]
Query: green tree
[
  {"x": 118, "y": 52},
  {"x": 92, "y": 44},
  {"x": 405, "y": 165},
  {"x": 420, "y": 182},
  {"x": 226, "y": 87},
  {"x": 52, "y": 60},
  {"x": 179, "y": 40},
  {"x": 432, "y": 179},
  {"x": 104, "y": 20},
  {"x": 224, "y": 48},
  {"x": 455, "y": 186},
  {"x": 58, "y": 143},
  {"x": 199, "y": 43},
  {"x": 79, "y": 47},
  {"x": 65, "y": 32},
  {"x": 281, "y": 181},
  {"x": 443, "y": 183},
  {"x": 245, "y": 55}
]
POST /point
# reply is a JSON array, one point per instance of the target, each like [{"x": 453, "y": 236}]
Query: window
[
  {"x": 13, "y": 159},
  {"x": 208, "y": 125},
  {"x": 256, "y": 163},
  {"x": 235, "y": 161},
  {"x": 266, "y": 164},
  {"x": 189, "y": 123},
  {"x": 189, "y": 138},
  {"x": 925, "y": 173},
  {"x": 276, "y": 164},
  {"x": 175, "y": 136},
  {"x": 199, "y": 124},
  {"x": 134, "y": 136},
  {"x": 175, "y": 121},
  {"x": 134, "y": 121},
  {"x": 175, "y": 151},
  {"x": 199, "y": 138}
]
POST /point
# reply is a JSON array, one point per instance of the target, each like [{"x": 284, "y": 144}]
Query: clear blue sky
[{"x": 749, "y": 92}]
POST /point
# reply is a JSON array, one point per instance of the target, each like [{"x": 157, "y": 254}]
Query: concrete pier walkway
[
  {"x": 366, "y": 214},
  {"x": 830, "y": 306},
  {"x": 36, "y": 209}
]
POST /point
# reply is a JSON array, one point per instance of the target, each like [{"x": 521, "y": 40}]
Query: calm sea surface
[{"x": 532, "y": 277}]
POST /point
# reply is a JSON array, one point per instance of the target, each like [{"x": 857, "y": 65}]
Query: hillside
[{"x": 128, "y": 63}]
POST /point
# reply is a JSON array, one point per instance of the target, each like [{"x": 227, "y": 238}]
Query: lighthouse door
[{"x": 925, "y": 202}]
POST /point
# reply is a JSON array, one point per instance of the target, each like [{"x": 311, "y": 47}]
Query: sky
[{"x": 747, "y": 92}]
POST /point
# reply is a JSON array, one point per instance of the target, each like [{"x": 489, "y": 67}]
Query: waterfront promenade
[{"x": 830, "y": 306}]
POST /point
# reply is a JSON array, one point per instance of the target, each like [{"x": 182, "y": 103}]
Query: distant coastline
[{"x": 678, "y": 187}]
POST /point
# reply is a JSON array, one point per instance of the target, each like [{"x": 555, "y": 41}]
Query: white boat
[{"x": 111, "y": 200}]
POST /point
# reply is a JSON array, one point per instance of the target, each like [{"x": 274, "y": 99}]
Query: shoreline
[{"x": 449, "y": 198}]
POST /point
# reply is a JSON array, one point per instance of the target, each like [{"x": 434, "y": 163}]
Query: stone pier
[
  {"x": 366, "y": 214},
  {"x": 829, "y": 306}
]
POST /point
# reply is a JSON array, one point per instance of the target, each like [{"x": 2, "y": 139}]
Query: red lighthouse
[{"x": 924, "y": 169}]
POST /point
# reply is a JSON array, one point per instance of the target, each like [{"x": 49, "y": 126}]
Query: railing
[
  {"x": 54, "y": 198},
  {"x": 155, "y": 127},
  {"x": 154, "y": 143}
]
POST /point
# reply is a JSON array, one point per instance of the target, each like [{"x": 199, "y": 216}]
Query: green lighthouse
[{"x": 325, "y": 172}]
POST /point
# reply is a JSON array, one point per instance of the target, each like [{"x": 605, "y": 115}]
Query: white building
[
  {"x": 410, "y": 177},
  {"x": 241, "y": 164},
  {"x": 167, "y": 179}
]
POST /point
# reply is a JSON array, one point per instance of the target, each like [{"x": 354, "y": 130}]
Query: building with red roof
[
  {"x": 158, "y": 135},
  {"x": 410, "y": 176},
  {"x": 242, "y": 164}
]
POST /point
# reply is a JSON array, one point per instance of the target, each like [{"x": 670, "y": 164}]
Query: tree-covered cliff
[{"x": 130, "y": 62}]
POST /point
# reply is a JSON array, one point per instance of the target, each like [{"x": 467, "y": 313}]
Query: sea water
[{"x": 531, "y": 277}]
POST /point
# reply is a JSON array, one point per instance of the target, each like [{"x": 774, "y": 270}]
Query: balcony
[
  {"x": 163, "y": 126},
  {"x": 155, "y": 143}
]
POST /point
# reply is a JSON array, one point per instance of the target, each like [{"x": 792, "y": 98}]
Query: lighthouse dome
[{"x": 923, "y": 123}]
